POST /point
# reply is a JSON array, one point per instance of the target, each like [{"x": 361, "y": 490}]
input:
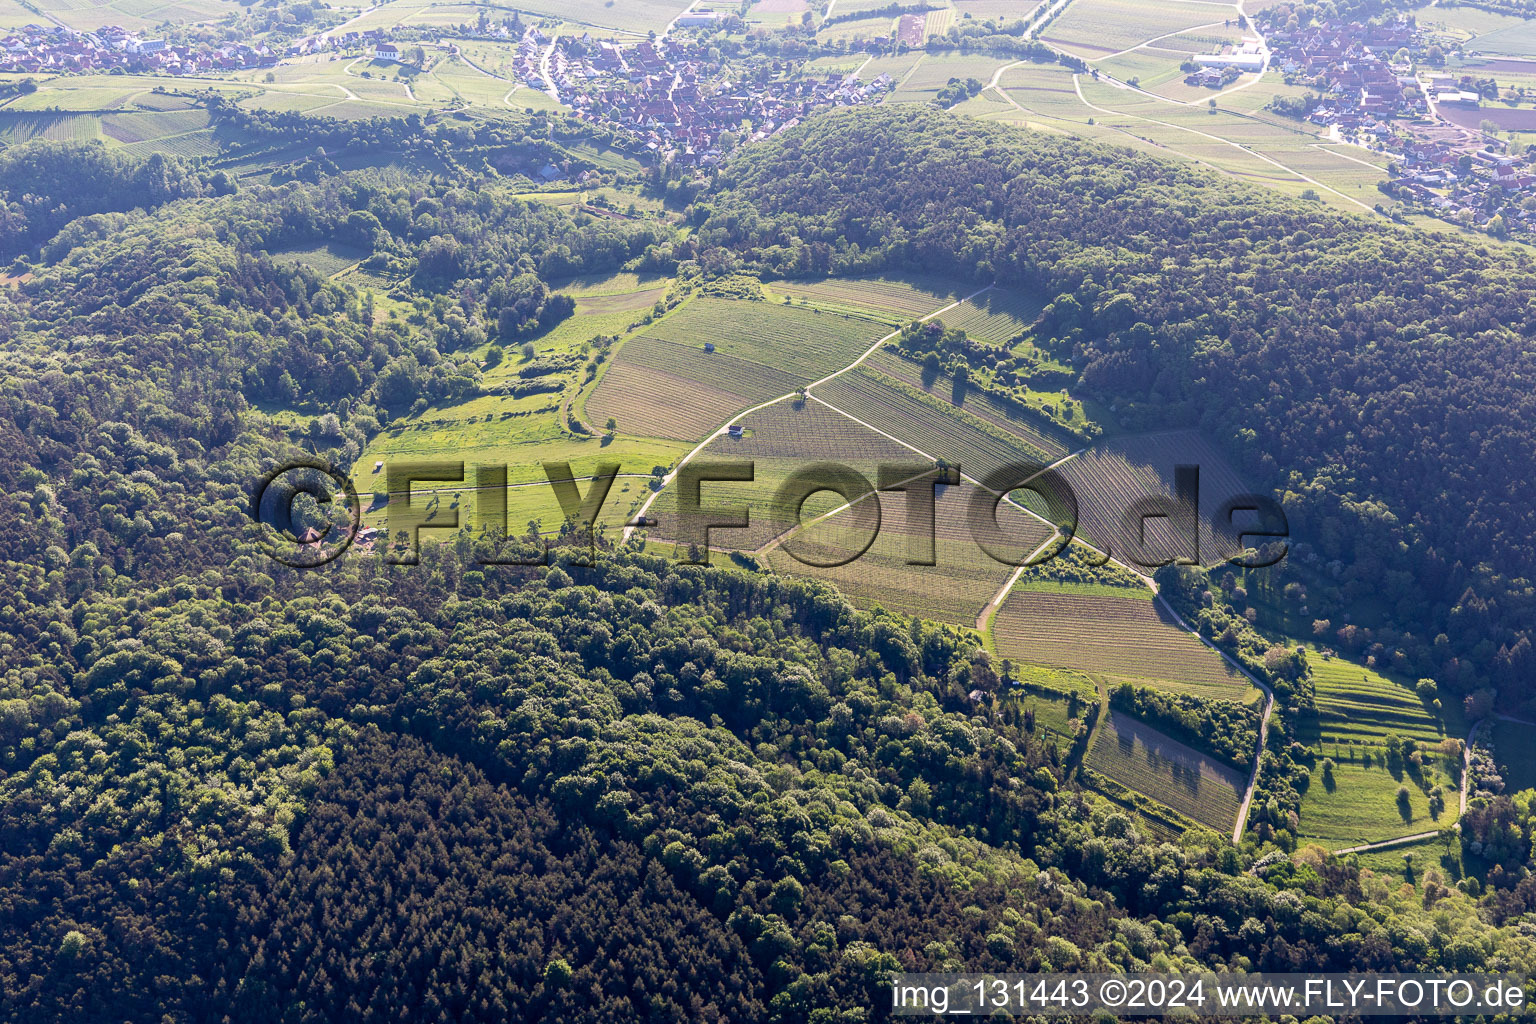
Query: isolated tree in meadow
[{"x": 1405, "y": 803}]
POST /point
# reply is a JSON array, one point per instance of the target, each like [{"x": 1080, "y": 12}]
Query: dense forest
[
  {"x": 1375, "y": 378},
  {"x": 640, "y": 790}
]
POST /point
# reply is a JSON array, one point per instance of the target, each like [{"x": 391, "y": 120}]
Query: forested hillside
[
  {"x": 632, "y": 789},
  {"x": 1376, "y": 378}
]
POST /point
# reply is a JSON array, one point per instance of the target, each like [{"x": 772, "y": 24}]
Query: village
[
  {"x": 669, "y": 96},
  {"x": 1371, "y": 95},
  {"x": 38, "y": 49}
]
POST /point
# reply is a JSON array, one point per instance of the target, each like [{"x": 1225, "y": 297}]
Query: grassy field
[
  {"x": 934, "y": 72},
  {"x": 328, "y": 259},
  {"x": 1048, "y": 692},
  {"x": 1033, "y": 429},
  {"x": 894, "y": 300},
  {"x": 1098, "y": 28},
  {"x": 1408, "y": 863},
  {"x": 1121, "y": 637},
  {"x": 498, "y": 429},
  {"x": 1145, "y": 760},
  {"x": 1358, "y": 710},
  {"x": 779, "y": 441},
  {"x": 520, "y": 443},
  {"x": 880, "y": 26},
  {"x": 663, "y": 383},
  {"x": 1361, "y": 807},
  {"x": 777, "y": 13},
  {"x": 955, "y": 589}
]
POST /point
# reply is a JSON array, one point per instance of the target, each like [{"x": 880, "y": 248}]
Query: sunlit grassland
[{"x": 1097, "y": 28}]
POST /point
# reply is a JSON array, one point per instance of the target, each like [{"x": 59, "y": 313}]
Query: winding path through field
[
  {"x": 1466, "y": 772},
  {"x": 991, "y": 608},
  {"x": 1269, "y": 710},
  {"x": 724, "y": 427},
  {"x": 1077, "y": 84}
]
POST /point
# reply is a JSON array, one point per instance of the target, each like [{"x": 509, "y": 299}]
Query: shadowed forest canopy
[
  {"x": 1380, "y": 380},
  {"x": 629, "y": 789}
]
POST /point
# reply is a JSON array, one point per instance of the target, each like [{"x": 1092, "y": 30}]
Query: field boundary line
[
  {"x": 913, "y": 448},
  {"x": 722, "y": 428},
  {"x": 1269, "y": 710},
  {"x": 988, "y": 613},
  {"x": 1167, "y": 35},
  {"x": 1466, "y": 772},
  {"x": 1077, "y": 84}
]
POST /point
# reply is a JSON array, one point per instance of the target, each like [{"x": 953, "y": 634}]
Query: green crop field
[
  {"x": 1096, "y": 28},
  {"x": 996, "y": 315},
  {"x": 780, "y": 440},
  {"x": 1145, "y": 760},
  {"x": 955, "y": 589},
  {"x": 1028, "y": 427},
  {"x": 1359, "y": 705},
  {"x": 938, "y": 430},
  {"x": 1126, "y": 637},
  {"x": 1358, "y": 709},
  {"x": 895, "y": 300},
  {"x": 664, "y": 384},
  {"x": 1249, "y": 144},
  {"x": 1109, "y": 479},
  {"x": 146, "y": 125},
  {"x": 998, "y": 10}
]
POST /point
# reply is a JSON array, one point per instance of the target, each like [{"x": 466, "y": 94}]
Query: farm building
[
  {"x": 1241, "y": 61},
  {"x": 734, "y": 430}
]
